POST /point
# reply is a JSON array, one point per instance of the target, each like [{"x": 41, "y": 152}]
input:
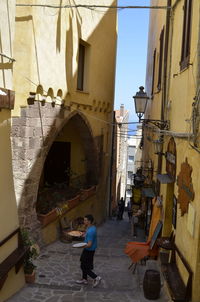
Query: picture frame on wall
[{"x": 174, "y": 211}]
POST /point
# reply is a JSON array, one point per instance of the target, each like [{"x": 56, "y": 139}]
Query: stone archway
[{"x": 32, "y": 135}]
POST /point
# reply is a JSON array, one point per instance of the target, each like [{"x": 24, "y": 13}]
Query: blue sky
[{"x": 131, "y": 53}]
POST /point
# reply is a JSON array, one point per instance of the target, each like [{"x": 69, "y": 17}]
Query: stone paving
[{"x": 58, "y": 267}]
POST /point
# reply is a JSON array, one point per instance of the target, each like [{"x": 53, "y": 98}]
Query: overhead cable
[
  {"x": 93, "y": 6},
  {"x": 86, "y": 113}
]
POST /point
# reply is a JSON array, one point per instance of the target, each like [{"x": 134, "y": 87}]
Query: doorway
[{"x": 57, "y": 164}]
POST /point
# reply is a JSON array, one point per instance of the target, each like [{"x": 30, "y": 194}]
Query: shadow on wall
[
  {"x": 69, "y": 56},
  {"x": 58, "y": 31}
]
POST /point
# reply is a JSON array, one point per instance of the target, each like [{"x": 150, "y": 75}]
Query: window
[
  {"x": 185, "y": 52},
  {"x": 160, "y": 59},
  {"x": 81, "y": 65},
  {"x": 131, "y": 159},
  {"x": 130, "y": 174},
  {"x": 153, "y": 72},
  {"x": 128, "y": 193},
  {"x": 83, "y": 62}
]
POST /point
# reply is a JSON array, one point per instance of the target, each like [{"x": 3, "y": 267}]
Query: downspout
[{"x": 164, "y": 83}]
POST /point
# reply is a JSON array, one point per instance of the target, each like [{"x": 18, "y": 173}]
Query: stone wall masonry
[
  {"x": 31, "y": 136},
  {"x": 35, "y": 143}
]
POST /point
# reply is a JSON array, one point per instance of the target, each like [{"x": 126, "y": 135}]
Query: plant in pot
[{"x": 30, "y": 256}]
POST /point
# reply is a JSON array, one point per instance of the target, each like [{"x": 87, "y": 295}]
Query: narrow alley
[{"x": 58, "y": 267}]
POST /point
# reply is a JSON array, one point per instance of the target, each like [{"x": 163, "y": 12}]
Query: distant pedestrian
[
  {"x": 88, "y": 252},
  {"x": 121, "y": 206},
  {"x": 129, "y": 210}
]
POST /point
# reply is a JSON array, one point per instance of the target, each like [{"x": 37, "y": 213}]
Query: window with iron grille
[
  {"x": 160, "y": 59},
  {"x": 83, "y": 66},
  {"x": 186, "y": 36},
  {"x": 153, "y": 73}
]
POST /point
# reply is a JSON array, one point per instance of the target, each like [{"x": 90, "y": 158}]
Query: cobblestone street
[{"x": 58, "y": 267}]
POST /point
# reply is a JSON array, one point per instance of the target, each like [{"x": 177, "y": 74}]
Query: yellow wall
[
  {"x": 88, "y": 206},
  {"x": 157, "y": 21},
  {"x": 53, "y": 54},
  {"x": 52, "y": 58},
  {"x": 8, "y": 210},
  {"x": 12, "y": 285},
  {"x": 7, "y": 195},
  {"x": 180, "y": 93},
  {"x": 70, "y": 134}
]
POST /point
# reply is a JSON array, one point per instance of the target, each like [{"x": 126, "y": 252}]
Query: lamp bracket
[
  {"x": 163, "y": 125},
  {"x": 161, "y": 153}
]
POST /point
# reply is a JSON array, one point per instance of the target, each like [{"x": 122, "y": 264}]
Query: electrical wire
[
  {"x": 94, "y": 6},
  {"x": 73, "y": 106}
]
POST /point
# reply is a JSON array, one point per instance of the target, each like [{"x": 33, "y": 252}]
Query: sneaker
[
  {"x": 97, "y": 280},
  {"x": 82, "y": 281}
]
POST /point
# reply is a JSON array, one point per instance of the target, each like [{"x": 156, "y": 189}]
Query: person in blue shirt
[{"x": 87, "y": 255}]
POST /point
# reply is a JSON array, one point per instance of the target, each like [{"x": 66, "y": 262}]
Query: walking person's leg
[
  {"x": 86, "y": 267},
  {"x": 83, "y": 260},
  {"x": 90, "y": 266}
]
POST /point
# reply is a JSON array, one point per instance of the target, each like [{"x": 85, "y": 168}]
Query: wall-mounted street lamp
[
  {"x": 141, "y": 99},
  {"x": 158, "y": 147}
]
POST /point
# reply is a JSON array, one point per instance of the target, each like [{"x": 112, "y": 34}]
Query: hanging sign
[
  {"x": 7, "y": 98},
  {"x": 171, "y": 159},
  {"x": 185, "y": 187}
]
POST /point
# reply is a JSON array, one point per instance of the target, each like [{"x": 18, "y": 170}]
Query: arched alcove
[
  {"x": 40, "y": 128},
  {"x": 70, "y": 164}
]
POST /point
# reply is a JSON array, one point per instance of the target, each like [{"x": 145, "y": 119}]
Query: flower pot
[
  {"x": 47, "y": 218},
  {"x": 73, "y": 202},
  {"x": 30, "y": 278},
  {"x": 85, "y": 193}
]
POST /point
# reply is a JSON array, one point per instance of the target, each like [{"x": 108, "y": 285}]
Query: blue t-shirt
[{"x": 91, "y": 235}]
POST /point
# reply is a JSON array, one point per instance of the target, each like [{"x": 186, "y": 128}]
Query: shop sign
[
  {"x": 185, "y": 187},
  {"x": 7, "y": 98},
  {"x": 171, "y": 158}
]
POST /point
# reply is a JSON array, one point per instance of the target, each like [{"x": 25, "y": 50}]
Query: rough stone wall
[{"x": 32, "y": 135}]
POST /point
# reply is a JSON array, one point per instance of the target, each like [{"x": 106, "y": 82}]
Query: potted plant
[
  {"x": 46, "y": 208},
  {"x": 31, "y": 254}
]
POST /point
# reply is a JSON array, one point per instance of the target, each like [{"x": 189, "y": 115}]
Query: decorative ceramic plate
[
  {"x": 75, "y": 233},
  {"x": 80, "y": 244}
]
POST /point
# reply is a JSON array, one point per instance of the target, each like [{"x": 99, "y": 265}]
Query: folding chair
[{"x": 138, "y": 251}]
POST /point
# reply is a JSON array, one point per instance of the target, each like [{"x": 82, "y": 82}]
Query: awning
[
  {"x": 165, "y": 178},
  {"x": 148, "y": 192}
]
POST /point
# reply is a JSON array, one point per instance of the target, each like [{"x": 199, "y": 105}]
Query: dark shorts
[{"x": 87, "y": 259}]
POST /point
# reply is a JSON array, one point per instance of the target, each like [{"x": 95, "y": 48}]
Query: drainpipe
[{"x": 164, "y": 83}]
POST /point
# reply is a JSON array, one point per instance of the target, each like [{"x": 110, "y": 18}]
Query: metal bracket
[{"x": 163, "y": 125}]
